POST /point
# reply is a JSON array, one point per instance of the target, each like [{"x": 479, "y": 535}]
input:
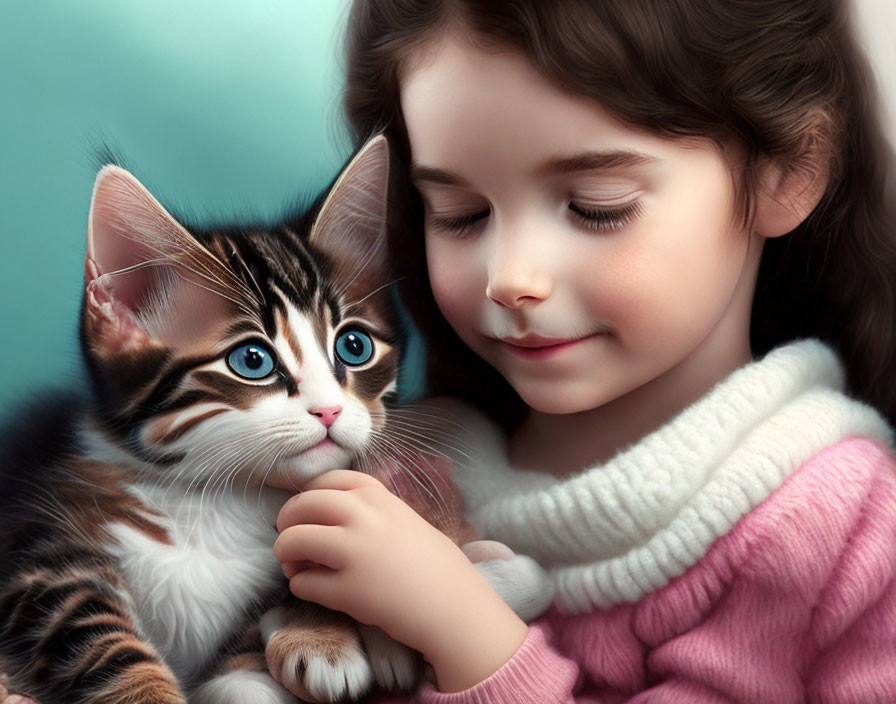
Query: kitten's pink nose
[{"x": 327, "y": 414}]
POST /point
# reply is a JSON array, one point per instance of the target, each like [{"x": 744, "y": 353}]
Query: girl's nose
[
  {"x": 517, "y": 276},
  {"x": 327, "y": 414}
]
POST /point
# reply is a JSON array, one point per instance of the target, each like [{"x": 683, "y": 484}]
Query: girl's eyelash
[
  {"x": 605, "y": 219},
  {"x": 458, "y": 225},
  {"x": 602, "y": 219}
]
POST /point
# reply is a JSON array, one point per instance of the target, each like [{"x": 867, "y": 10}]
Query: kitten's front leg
[
  {"x": 395, "y": 666},
  {"x": 523, "y": 584},
  {"x": 317, "y": 649}
]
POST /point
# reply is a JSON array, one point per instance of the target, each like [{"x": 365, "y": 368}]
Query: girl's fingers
[
  {"x": 324, "y": 545},
  {"x": 291, "y": 569},
  {"x": 316, "y": 584},
  {"x": 325, "y": 507}
]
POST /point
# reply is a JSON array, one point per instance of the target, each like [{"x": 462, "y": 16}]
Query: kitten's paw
[
  {"x": 522, "y": 583},
  {"x": 332, "y": 679},
  {"x": 325, "y": 659},
  {"x": 395, "y": 666},
  {"x": 487, "y": 550},
  {"x": 242, "y": 687}
]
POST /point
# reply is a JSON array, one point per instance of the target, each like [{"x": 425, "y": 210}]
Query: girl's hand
[{"x": 348, "y": 543}]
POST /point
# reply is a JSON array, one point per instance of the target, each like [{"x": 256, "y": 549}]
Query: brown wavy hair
[{"x": 785, "y": 79}]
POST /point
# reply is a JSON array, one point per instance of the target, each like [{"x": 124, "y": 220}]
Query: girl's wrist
[{"x": 475, "y": 642}]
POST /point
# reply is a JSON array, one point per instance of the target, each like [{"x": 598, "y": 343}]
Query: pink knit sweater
[
  {"x": 793, "y": 598},
  {"x": 797, "y": 603}
]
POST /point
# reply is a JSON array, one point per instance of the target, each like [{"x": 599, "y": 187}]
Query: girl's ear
[{"x": 787, "y": 194}]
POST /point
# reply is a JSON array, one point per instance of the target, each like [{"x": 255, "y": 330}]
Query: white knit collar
[{"x": 622, "y": 529}]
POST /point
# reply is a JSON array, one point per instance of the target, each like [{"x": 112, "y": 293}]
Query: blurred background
[{"x": 222, "y": 108}]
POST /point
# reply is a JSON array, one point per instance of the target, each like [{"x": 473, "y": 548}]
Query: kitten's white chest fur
[{"x": 191, "y": 595}]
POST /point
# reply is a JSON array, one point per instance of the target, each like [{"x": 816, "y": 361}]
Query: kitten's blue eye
[
  {"x": 251, "y": 361},
  {"x": 354, "y": 347}
]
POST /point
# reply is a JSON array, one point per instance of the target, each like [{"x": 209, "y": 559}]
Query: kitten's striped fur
[{"x": 136, "y": 529}]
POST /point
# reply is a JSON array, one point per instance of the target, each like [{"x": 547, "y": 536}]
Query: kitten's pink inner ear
[
  {"x": 162, "y": 303},
  {"x": 122, "y": 215}
]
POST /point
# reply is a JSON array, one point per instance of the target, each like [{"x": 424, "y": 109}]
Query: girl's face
[{"x": 580, "y": 257}]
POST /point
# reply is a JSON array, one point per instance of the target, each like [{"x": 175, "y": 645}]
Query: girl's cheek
[
  {"x": 456, "y": 282},
  {"x": 441, "y": 278},
  {"x": 447, "y": 273}
]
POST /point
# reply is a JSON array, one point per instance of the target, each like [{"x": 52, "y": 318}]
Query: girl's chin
[{"x": 559, "y": 399}]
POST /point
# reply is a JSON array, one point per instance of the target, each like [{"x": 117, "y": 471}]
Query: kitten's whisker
[
  {"x": 425, "y": 426},
  {"x": 424, "y": 441},
  {"x": 349, "y": 304},
  {"x": 410, "y": 467},
  {"x": 420, "y": 430},
  {"x": 215, "y": 475},
  {"x": 202, "y": 476},
  {"x": 434, "y": 432},
  {"x": 268, "y": 471},
  {"x": 218, "y": 274},
  {"x": 209, "y": 457},
  {"x": 136, "y": 267},
  {"x": 424, "y": 411}
]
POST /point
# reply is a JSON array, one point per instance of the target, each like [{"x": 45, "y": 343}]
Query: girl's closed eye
[
  {"x": 605, "y": 218},
  {"x": 605, "y": 201},
  {"x": 451, "y": 211},
  {"x": 589, "y": 216},
  {"x": 456, "y": 224}
]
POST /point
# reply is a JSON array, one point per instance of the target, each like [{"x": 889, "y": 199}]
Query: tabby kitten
[{"x": 228, "y": 367}]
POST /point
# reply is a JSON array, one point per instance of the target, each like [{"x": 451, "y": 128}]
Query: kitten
[{"x": 228, "y": 367}]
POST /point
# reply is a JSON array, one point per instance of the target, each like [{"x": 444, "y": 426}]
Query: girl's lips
[
  {"x": 536, "y": 347},
  {"x": 535, "y": 341}
]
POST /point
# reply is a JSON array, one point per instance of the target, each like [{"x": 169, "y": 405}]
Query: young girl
[{"x": 660, "y": 255}]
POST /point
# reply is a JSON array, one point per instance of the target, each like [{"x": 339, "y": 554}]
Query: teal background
[{"x": 221, "y": 108}]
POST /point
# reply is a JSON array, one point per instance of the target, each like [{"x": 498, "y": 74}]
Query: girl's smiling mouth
[{"x": 535, "y": 347}]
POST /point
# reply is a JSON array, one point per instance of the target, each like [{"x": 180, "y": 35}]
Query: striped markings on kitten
[{"x": 228, "y": 366}]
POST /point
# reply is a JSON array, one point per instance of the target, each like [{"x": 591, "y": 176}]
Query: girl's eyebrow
[
  {"x": 428, "y": 174},
  {"x": 586, "y": 161},
  {"x": 590, "y": 161}
]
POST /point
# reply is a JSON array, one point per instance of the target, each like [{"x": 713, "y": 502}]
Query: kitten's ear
[
  {"x": 144, "y": 273},
  {"x": 351, "y": 225},
  {"x": 125, "y": 229}
]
